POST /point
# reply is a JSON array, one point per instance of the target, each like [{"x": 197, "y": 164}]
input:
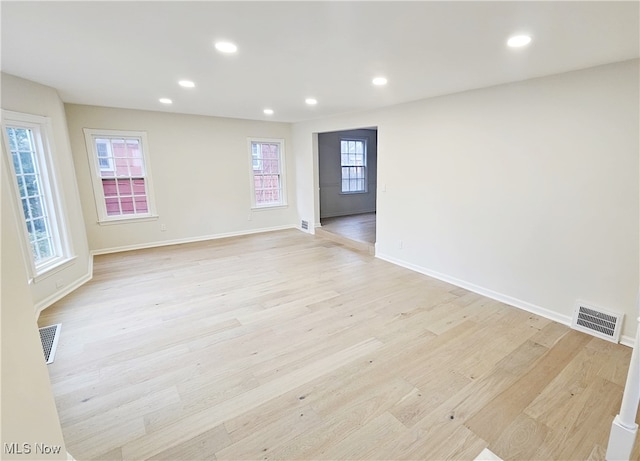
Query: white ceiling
[{"x": 129, "y": 54}]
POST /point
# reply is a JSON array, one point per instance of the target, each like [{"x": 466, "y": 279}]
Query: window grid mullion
[
  {"x": 117, "y": 176},
  {"x": 29, "y": 214},
  {"x": 118, "y": 197},
  {"x": 133, "y": 197},
  {"x": 127, "y": 157}
]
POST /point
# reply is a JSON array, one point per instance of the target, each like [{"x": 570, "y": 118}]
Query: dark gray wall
[{"x": 332, "y": 202}]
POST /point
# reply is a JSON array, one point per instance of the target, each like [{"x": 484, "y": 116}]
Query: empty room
[{"x": 320, "y": 230}]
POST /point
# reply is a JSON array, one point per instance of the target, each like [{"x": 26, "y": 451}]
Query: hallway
[{"x": 358, "y": 231}]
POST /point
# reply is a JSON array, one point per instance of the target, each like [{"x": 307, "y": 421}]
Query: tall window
[
  {"x": 120, "y": 174},
  {"x": 28, "y": 147},
  {"x": 353, "y": 160},
  {"x": 267, "y": 180}
]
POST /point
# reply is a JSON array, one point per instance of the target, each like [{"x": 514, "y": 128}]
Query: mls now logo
[
  {"x": 17, "y": 448},
  {"x": 28, "y": 448}
]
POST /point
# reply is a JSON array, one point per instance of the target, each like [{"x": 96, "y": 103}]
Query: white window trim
[
  {"x": 366, "y": 167},
  {"x": 284, "y": 202},
  {"x": 51, "y": 183},
  {"x": 96, "y": 178}
]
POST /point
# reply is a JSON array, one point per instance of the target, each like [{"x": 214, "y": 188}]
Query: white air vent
[
  {"x": 49, "y": 337},
  {"x": 597, "y": 322},
  {"x": 305, "y": 224}
]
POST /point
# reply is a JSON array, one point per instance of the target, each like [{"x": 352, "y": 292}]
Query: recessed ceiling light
[
  {"x": 379, "y": 81},
  {"x": 226, "y": 47},
  {"x": 186, "y": 83},
  {"x": 518, "y": 40},
  {"x": 165, "y": 101},
  {"x": 268, "y": 111},
  {"x": 311, "y": 101}
]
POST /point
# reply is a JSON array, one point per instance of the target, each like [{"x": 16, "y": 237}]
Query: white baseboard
[
  {"x": 58, "y": 295},
  {"x": 515, "y": 302},
  {"x": 627, "y": 340},
  {"x": 202, "y": 238},
  {"x": 520, "y": 304}
]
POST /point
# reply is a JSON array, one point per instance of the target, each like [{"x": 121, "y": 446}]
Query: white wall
[
  {"x": 201, "y": 173},
  {"x": 29, "y": 412},
  {"x": 32, "y": 98},
  {"x": 332, "y": 201},
  {"x": 526, "y": 192}
]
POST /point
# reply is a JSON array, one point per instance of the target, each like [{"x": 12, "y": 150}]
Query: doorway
[{"x": 347, "y": 169}]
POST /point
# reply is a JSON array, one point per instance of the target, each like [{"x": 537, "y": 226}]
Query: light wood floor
[
  {"x": 360, "y": 227},
  {"x": 289, "y": 346}
]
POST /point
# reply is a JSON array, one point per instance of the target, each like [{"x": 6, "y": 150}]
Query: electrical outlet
[
  {"x": 400, "y": 244},
  {"x": 163, "y": 227}
]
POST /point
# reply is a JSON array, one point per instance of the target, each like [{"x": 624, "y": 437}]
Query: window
[
  {"x": 267, "y": 179},
  {"x": 105, "y": 158},
  {"x": 353, "y": 160},
  {"x": 120, "y": 174},
  {"x": 27, "y": 145}
]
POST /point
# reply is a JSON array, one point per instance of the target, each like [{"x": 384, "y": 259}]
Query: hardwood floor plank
[
  {"x": 459, "y": 443},
  {"x": 116, "y": 433},
  {"x": 109, "y": 421},
  {"x": 379, "y": 394},
  {"x": 434, "y": 437},
  {"x": 457, "y": 311},
  {"x": 500, "y": 412},
  {"x": 615, "y": 361},
  {"x": 81, "y": 404},
  {"x": 365, "y": 442},
  {"x": 343, "y": 420},
  {"x": 586, "y": 423},
  {"x": 180, "y": 431},
  {"x": 475, "y": 397},
  {"x": 202, "y": 447},
  {"x": 266, "y": 414},
  {"x": 522, "y": 358},
  {"x": 521, "y": 439},
  {"x": 562, "y": 390},
  {"x": 599, "y": 454},
  {"x": 260, "y": 444},
  {"x": 208, "y": 389},
  {"x": 550, "y": 334},
  {"x": 478, "y": 353},
  {"x": 420, "y": 402},
  {"x": 113, "y": 455},
  {"x": 163, "y": 415}
]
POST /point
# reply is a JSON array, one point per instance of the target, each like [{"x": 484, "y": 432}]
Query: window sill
[
  {"x": 109, "y": 222},
  {"x": 354, "y": 192},
  {"x": 53, "y": 269},
  {"x": 269, "y": 207}
]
